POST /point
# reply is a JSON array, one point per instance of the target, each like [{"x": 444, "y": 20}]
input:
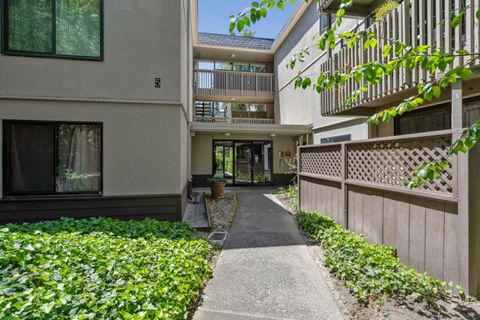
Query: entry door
[{"x": 243, "y": 162}]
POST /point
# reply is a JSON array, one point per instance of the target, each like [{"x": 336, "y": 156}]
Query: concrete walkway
[{"x": 265, "y": 270}]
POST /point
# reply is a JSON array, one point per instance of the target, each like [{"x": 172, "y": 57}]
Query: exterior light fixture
[
  {"x": 273, "y": 135},
  {"x": 227, "y": 134},
  {"x": 232, "y": 56}
]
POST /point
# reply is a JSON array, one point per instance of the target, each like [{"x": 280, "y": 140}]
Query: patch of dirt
[
  {"x": 222, "y": 211},
  {"x": 392, "y": 309},
  {"x": 288, "y": 203}
]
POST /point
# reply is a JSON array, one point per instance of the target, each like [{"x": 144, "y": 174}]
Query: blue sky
[{"x": 214, "y": 17}]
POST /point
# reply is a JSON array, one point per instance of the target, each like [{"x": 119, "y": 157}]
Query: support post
[
  {"x": 299, "y": 204},
  {"x": 344, "y": 188},
  {"x": 457, "y": 105}
]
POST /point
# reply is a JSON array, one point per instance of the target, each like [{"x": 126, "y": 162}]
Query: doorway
[{"x": 243, "y": 162}]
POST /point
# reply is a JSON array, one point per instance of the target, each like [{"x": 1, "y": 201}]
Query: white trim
[
  {"x": 255, "y": 129},
  {"x": 97, "y": 100},
  {"x": 337, "y": 123}
]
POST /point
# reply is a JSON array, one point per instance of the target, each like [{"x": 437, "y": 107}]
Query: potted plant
[{"x": 217, "y": 186}]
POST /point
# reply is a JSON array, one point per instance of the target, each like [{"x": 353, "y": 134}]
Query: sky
[{"x": 214, "y": 17}]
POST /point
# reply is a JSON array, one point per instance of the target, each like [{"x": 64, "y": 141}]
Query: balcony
[
  {"x": 359, "y": 7},
  {"x": 223, "y": 85},
  {"x": 222, "y": 120},
  {"x": 407, "y": 24}
]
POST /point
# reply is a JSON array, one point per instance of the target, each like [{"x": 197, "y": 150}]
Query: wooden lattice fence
[{"x": 363, "y": 186}]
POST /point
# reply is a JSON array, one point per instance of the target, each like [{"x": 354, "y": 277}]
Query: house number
[{"x": 158, "y": 82}]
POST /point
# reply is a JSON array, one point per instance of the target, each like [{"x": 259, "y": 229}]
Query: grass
[{"x": 101, "y": 268}]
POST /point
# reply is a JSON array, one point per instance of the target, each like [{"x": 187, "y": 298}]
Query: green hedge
[
  {"x": 372, "y": 272},
  {"x": 100, "y": 269}
]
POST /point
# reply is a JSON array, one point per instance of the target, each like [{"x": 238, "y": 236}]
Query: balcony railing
[
  {"x": 407, "y": 23},
  {"x": 234, "y": 120},
  {"x": 233, "y": 83}
]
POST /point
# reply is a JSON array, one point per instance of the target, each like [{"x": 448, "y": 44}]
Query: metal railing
[
  {"x": 233, "y": 83},
  {"x": 233, "y": 120},
  {"x": 406, "y": 24}
]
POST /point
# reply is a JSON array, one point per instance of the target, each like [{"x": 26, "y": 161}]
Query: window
[
  {"x": 423, "y": 120},
  {"x": 346, "y": 137},
  {"x": 43, "y": 158},
  {"x": 230, "y": 66},
  {"x": 62, "y": 28}
]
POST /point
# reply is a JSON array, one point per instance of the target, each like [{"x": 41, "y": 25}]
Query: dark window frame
[
  {"x": 53, "y": 54},
  {"x": 439, "y": 108},
  {"x": 336, "y": 139},
  {"x": 7, "y": 165}
]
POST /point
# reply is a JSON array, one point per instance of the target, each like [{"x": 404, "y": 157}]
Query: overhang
[{"x": 277, "y": 129}]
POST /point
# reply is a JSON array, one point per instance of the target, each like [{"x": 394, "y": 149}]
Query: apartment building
[
  {"x": 118, "y": 117},
  {"x": 247, "y": 117},
  {"x": 94, "y": 104}
]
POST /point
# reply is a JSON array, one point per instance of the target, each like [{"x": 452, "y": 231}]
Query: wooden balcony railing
[
  {"x": 407, "y": 23},
  {"x": 233, "y": 83},
  {"x": 234, "y": 120}
]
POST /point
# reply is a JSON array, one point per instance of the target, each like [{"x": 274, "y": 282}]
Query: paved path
[{"x": 265, "y": 270}]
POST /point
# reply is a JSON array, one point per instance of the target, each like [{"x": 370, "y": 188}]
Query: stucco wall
[
  {"x": 143, "y": 146},
  {"x": 303, "y": 106},
  {"x": 357, "y": 128},
  {"x": 141, "y": 42},
  {"x": 202, "y": 151}
]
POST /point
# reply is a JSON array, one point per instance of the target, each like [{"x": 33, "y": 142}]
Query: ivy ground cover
[
  {"x": 100, "y": 268},
  {"x": 371, "y": 272}
]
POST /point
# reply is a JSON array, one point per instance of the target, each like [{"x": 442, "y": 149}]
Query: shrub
[
  {"x": 371, "y": 272},
  {"x": 100, "y": 269},
  {"x": 291, "y": 193}
]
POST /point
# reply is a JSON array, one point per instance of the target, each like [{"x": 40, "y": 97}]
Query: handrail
[
  {"x": 406, "y": 23},
  {"x": 233, "y": 83},
  {"x": 262, "y": 121}
]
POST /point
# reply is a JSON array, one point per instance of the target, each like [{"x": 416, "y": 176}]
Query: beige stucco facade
[
  {"x": 145, "y": 128},
  {"x": 297, "y": 106},
  {"x": 141, "y": 142}
]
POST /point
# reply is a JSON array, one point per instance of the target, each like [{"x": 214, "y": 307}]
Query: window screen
[
  {"x": 424, "y": 120},
  {"x": 31, "y": 158}
]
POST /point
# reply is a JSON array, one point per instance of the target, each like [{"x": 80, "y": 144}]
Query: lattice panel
[
  {"x": 324, "y": 160},
  {"x": 392, "y": 162}
]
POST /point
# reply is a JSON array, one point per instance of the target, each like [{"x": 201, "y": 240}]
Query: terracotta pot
[{"x": 218, "y": 190}]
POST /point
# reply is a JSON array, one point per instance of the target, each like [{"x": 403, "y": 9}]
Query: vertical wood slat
[
  {"x": 439, "y": 35},
  {"x": 422, "y": 33},
  {"x": 395, "y": 74},
  {"x": 414, "y": 19},
  {"x": 458, "y": 34},
  {"x": 448, "y": 26},
  {"x": 434, "y": 239},
  {"x": 430, "y": 25}
]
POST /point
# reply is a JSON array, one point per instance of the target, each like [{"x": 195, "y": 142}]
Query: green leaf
[{"x": 386, "y": 50}]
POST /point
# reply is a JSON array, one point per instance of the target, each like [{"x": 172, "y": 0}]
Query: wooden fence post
[
  {"x": 298, "y": 177},
  {"x": 343, "y": 186}
]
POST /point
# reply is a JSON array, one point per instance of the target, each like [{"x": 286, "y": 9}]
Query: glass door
[
  {"x": 223, "y": 160},
  {"x": 243, "y": 162},
  {"x": 262, "y": 162}
]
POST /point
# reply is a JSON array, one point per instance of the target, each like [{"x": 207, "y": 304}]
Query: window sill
[
  {"x": 52, "y": 197},
  {"x": 50, "y": 56}
]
